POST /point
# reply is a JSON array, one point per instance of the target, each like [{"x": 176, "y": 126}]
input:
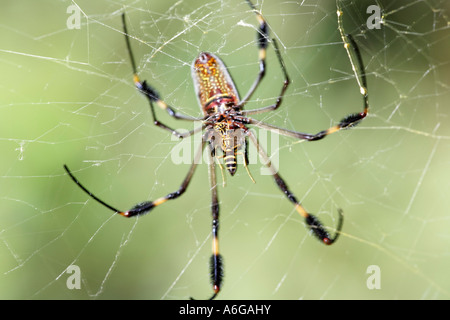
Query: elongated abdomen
[{"x": 213, "y": 84}]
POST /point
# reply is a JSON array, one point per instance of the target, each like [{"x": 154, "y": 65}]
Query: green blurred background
[{"x": 68, "y": 97}]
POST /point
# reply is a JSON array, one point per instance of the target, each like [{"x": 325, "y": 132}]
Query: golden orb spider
[{"x": 224, "y": 123}]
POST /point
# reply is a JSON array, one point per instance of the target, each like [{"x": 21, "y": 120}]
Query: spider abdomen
[
  {"x": 213, "y": 84},
  {"x": 230, "y": 161}
]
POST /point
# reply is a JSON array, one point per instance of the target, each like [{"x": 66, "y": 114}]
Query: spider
[{"x": 225, "y": 125}]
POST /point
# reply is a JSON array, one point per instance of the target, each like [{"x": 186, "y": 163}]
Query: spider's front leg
[
  {"x": 350, "y": 120},
  {"x": 154, "y": 97}
]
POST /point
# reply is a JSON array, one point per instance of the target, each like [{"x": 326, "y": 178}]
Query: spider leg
[
  {"x": 153, "y": 96},
  {"x": 350, "y": 120},
  {"x": 312, "y": 221},
  {"x": 262, "y": 42},
  {"x": 286, "y": 83},
  {"x": 88, "y": 192},
  {"x": 354, "y": 56},
  {"x": 347, "y": 122},
  {"x": 216, "y": 262},
  {"x": 146, "y": 206}
]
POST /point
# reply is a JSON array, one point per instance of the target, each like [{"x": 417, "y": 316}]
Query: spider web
[{"x": 68, "y": 97}]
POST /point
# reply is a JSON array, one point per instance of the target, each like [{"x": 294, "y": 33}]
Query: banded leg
[
  {"x": 353, "y": 119},
  {"x": 358, "y": 68},
  {"x": 154, "y": 97},
  {"x": 312, "y": 221},
  {"x": 216, "y": 262},
  {"x": 350, "y": 120},
  {"x": 262, "y": 42},
  {"x": 146, "y": 206}
]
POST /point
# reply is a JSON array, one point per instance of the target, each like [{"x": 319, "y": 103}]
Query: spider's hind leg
[{"x": 311, "y": 221}]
